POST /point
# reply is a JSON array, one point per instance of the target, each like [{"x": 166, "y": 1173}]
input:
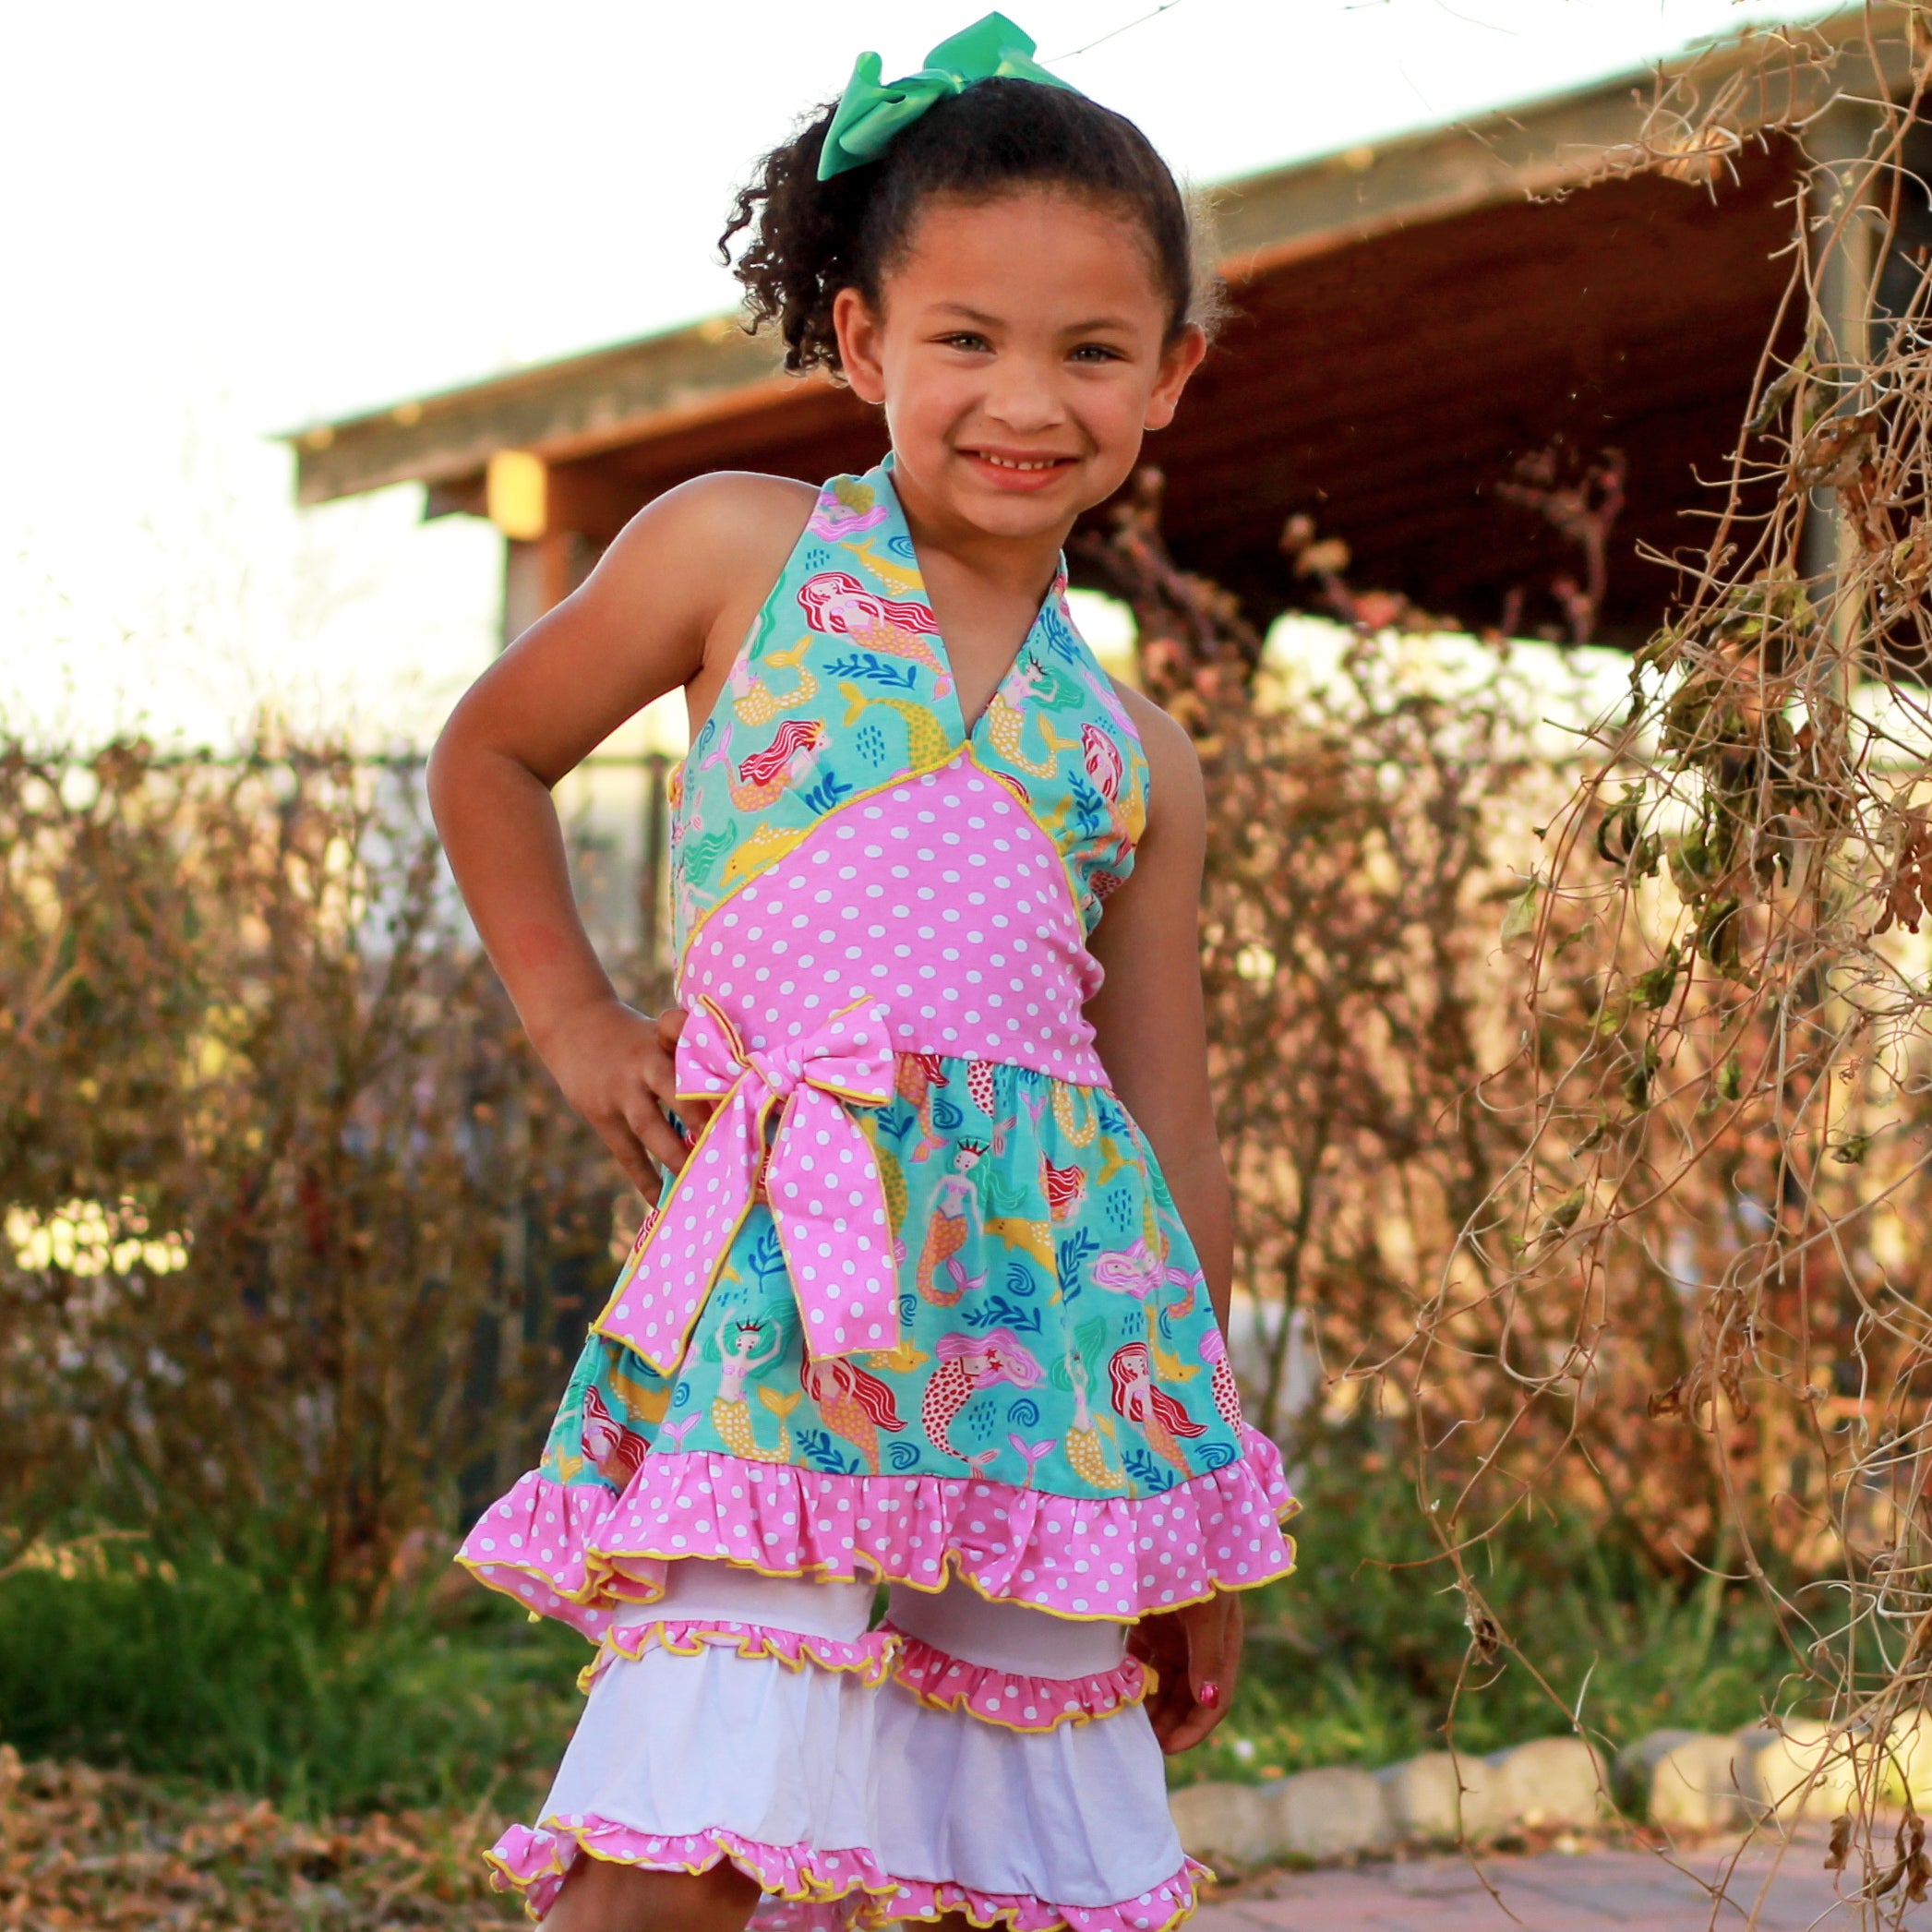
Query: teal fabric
[{"x": 871, "y": 114}]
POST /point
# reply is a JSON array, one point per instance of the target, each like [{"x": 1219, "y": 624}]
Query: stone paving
[{"x": 1778, "y": 1889}]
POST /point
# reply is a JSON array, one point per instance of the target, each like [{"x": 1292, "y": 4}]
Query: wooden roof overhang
[{"x": 1409, "y": 322}]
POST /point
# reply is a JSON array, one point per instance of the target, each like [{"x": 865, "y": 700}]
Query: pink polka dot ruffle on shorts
[
  {"x": 871, "y": 1657},
  {"x": 535, "y": 1861},
  {"x": 1011, "y": 1700}
]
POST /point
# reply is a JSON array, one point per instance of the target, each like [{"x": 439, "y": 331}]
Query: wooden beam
[
  {"x": 1268, "y": 222},
  {"x": 558, "y": 410},
  {"x": 712, "y": 381}
]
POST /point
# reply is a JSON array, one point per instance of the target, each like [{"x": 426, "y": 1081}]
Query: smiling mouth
[{"x": 1020, "y": 462}]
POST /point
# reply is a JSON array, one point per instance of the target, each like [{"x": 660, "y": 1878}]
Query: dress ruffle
[
  {"x": 872, "y": 1656},
  {"x": 578, "y": 1552},
  {"x": 1155, "y": 1911},
  {"x": 535, "y": 1861},
  {"x": 1007, "y": 1698}
]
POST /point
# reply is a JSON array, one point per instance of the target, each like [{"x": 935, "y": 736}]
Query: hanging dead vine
[
  {"x": 1729, "y": 999},
  {"x": 1684, "y": 1284}
]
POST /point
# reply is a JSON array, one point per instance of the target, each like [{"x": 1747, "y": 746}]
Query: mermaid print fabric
[{"x": 920, "y": 1299}]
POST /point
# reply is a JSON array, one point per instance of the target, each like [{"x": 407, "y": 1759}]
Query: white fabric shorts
[{"x": 966, "y": 1755}]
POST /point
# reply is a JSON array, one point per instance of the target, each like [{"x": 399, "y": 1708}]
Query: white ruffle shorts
[{"x": 966, "y": 1756}]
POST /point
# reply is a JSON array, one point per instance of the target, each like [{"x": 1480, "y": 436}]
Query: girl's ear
[
  {"x": 859, "y": 345},
  {"x": 1179, "y": 360}
]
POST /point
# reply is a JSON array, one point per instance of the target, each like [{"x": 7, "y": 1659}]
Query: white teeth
[{"x": 1007, "y": 462}]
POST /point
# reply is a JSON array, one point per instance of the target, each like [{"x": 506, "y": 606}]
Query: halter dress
[{"x": 918, "y": 1311}]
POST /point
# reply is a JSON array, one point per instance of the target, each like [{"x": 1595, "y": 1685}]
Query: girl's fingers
[
  {"x": 1203, "y": 1691},
  {"x": 693, "y": 1113},
  {"x": 646, "y": 1118},
  {"x": 631, "y": 1155}
]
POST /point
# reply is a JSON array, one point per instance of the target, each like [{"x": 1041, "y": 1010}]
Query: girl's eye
[
  {"x": 1097, "y": 351},
  {"x": 964, "y": 339}
]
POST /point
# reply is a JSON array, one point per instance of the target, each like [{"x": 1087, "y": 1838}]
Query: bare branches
[{"x": 255, "y": 1086}]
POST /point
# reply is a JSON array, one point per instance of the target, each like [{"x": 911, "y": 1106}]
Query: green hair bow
[{"x": 870, "y": 116}]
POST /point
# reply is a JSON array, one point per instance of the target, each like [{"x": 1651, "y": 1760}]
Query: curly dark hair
[{"x": 809, "y": 239}]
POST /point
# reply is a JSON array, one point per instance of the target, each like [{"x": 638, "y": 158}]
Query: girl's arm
[
  {"x": 1147, "y": 1019},
  {"x": 1152, "y": 1037},
  {"x": 667, "y": 606}
]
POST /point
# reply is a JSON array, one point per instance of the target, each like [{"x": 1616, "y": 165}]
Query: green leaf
[
  {"x": 1520, "y": 918},
  {"x": 1653, "y": 989}
]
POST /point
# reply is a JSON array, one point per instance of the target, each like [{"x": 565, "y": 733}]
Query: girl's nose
[{"x": 1024, "y": 401}]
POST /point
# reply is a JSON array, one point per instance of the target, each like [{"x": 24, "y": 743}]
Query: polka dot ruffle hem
[
  {"x": 871, "y": 1657},
  {"x": 578, "y": 1551},
  {"x": 1010, "y": 1700},
  {"x": 536, "y": 1862},
  {"x": 1157, "y": 1910}
]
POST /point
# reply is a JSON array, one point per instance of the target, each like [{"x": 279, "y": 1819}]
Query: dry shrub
[
  {"x": 94, "y": 1849},
  {"x": 1367, "y": 963},
  {"x": 293, "y": 1226}
]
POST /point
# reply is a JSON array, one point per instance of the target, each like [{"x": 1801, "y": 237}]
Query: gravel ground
[
  {"x": 1722, "y": 1884},
  {"x": 81, "y": 1848}
]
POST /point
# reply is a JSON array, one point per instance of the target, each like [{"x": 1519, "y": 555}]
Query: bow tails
[{"x": 816, "y": 1168}]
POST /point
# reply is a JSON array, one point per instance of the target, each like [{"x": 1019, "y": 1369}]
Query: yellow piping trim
[
  {"x": 711, "y": 1282},
  {"x": 1060, "y": 863},
  {"x": 910, "y": 776},
  {"x": 871, "y": 1671},
  {"x": 721, "y": 1102},
  {"x": 964, "y": 751}
]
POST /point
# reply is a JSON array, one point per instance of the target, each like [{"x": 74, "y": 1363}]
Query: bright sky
[{"x": 228, "y": 220}]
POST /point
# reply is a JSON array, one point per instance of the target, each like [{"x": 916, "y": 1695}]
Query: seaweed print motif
[
  {"x": 968, "y": 1363},
  {"x": 1136, "y": 1397},
  {"x": 913, "y": 1078},
  {"x": 854, "y": 1404}
]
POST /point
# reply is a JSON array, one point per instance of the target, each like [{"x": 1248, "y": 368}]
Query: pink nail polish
[{"x": 1209, "y": 1695}]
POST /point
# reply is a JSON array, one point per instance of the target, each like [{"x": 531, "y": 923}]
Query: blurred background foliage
[{"x": 300, "y": 1237}]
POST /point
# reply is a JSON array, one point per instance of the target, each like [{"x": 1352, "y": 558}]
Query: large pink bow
[{"x": 826, "y": 1197}]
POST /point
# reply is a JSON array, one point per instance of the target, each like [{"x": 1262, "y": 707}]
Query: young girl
[{"x": 931, "y": 1300}]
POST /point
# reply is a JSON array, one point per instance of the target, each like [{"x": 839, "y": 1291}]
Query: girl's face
[{"x": 1021, "y": 352}]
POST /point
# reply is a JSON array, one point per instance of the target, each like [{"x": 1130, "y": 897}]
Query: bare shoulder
[
  {"x": 739, "y": 502},
  {"x": 1176, "y": 797},
  {"x": 733, "y": 519}
]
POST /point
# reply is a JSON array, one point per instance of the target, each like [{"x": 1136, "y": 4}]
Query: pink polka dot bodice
[{"x": 941, "y": 898}]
